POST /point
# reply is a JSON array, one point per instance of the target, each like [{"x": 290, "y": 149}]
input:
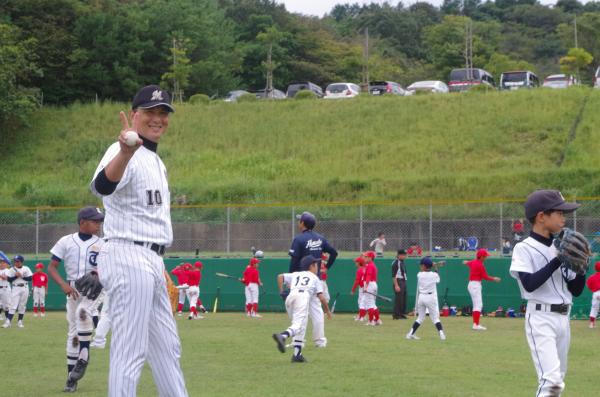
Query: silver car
[{"x": 435, "y": 86}]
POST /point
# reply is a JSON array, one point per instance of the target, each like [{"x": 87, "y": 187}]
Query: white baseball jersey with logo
[
  {"x": 20, "y": 289},
  {"x": 143, "y": 328},
  {"x": 548, "y": 333},
  {"x": 427, "y": 299},
  {"x": 79, "y": 257},
  {"x": 5, "y": 291},
  {"x": 304, "y": 287}
]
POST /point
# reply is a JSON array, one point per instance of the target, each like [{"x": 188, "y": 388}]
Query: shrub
[
  {"x": 305, "y": 94},
  {"x": 199, "y": 99},
  {"x": 247, "y": 98}
]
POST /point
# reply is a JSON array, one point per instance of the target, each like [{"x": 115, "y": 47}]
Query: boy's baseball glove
[{"x": 573, "y": 250}]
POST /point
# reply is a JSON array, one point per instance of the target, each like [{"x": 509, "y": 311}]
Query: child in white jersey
[
  {"x": 303, "y": 286},
  {"x": 548, "y": 287},
  {"x": 427, "y": 299}
]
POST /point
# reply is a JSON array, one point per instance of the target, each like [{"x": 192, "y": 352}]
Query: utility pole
[
  {"x": 365, "y": 71},
  {"x": 176, "y": 91},
  {"x": 469, "y": 49},
  {"x": 269, "y": 88},
  {"x": 575, "y": 30}
]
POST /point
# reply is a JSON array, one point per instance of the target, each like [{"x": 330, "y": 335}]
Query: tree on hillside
[
  {"x": 574, "y": 61},
  {"x": 17, "y": 65},
  {"x": 179, "y": 71},
  {"x": 269, "y": 37}
]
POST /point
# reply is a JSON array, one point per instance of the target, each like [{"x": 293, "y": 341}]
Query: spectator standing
[{"x": 379, "y": 244}]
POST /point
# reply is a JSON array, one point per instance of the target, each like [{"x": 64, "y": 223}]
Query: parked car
[
  {"x": 296, "y": 86},
  {"x": 386, "y": 87},
  {"x": 435, "y": 86},
  {"x": 341, "y": 90},
  {"x": 560, "y": 81},
  {"x": 597, "y": 78},
  {"x": 232, "y": 96},
  {"x": 463, "y": 79},
  {"x": 518, "y": 79},
  {"x": 276, "y": 94}
]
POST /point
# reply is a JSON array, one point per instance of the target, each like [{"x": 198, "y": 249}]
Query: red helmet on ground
[
  {"x": 198, "y": 265},
  {"x": 39, "y": 266}
]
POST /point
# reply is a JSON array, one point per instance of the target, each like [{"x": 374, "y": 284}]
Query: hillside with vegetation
[{"x": 442, "y": 147}]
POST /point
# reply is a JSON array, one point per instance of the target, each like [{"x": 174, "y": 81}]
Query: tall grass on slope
[{"x": 473, "y": 145}]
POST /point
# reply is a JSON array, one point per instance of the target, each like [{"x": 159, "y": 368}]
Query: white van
[
  {"x": 518, "y": 79},
  {"x": 341, "y": 90}
]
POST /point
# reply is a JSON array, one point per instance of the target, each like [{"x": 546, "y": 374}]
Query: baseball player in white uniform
[
  {"x": 548, "y": 287},
  {"x": 427, "y": 300},
  {"x": 5, "y": 290},
  {"x": 19, "y": 275},
  {"x": 78, "y": 252},
  {"x": 304, "y": 285},
  {"x": 132, "y": 181}
]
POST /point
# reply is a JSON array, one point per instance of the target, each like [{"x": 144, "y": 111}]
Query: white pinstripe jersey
[
  {"x": 4, "y": 283},
  {"x": 529, "y": 256},
  {"x": 140, "y": 207},
  {"x": 78, "y": 256}
]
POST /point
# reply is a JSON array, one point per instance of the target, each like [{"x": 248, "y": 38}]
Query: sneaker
[
  {"x": 70, "y": 386},
  {"x": 412, "y": 336},
  {"x": 256, "y": 315},
  {"x": 378, "y": 322},
  {"x": 248, "y": 314},
  {"x": 79, "y": 370},
  {"x": 34, "y": 314},
  {"x": 179, "y": 314},
  {"x": 42, "y": 314},
  {"x": 198, "y": 317},
  {"x": 442, "y": 335},
  {"x": 6, "y": 324},
  {"x": 98, "y": 344},
  {"x": 190, "y": 317},
  {"x": 280, "y": 339},
  {"x": 20, "y": 324},
  {"x": 478, "y": 327},
  {"x": 299, "y": 359},
  {"x": 202, "y": 309},
  {"x": 372, "y": 323},
  {"x": 361, "y": 319},
  {"x": 592, "y": 325}
]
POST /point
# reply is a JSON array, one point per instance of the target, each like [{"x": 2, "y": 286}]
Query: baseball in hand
[{"x": 131, "y": 138}]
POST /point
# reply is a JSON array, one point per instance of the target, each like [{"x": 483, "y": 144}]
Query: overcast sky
[{"x": 320, "y": 7}]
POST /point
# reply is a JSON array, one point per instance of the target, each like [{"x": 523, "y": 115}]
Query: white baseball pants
[
  {"x": 474, "y": 288},
  {"x": 143, "y": 327},
  {"x": 251, "y": 292},
  {"x": 39, "y": 296},
  {"x": 18, "y": 299},
  {"x": 182, "y": 295},
  {"x": 595, "y": 304},
  {"x": 104, "y": 323},
  {"x": 5, "y": 298},
  {"x": 369, "y": 301},
  {"x": 192, "y": 294},
  {"x": 325, "y": 290},
  {"x": 428, "y": 302},
  {"x": 297, "y": 306},
  {"x": 317, "y": 317},
  {"x": 361, "y": 299},
  {"x": 80, "y": 324},
  {"x": 549, "y": 336}
]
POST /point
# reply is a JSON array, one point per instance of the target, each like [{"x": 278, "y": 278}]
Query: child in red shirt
[
  {"x": 181, "y": 275},
  {"x": 476, "y": 274},
  {"x": 359, "y": 282},
  {"x": 370, "y": 289},
  {"x": 193, "y": 276},
  {"x": 40, "y": 290},
  {"x": 199, "y": 306},
  {"x": 251, "y": 278},
  {"x": 323, "y": 275},
  {"x": 593, "y": 283}
]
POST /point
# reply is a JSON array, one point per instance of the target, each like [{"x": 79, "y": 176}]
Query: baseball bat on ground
[
  {"x": 383, "y": 298},
  {"x": 216, "y": 300},
  {"x": 227, "y": 276},
  {"x": 334, "y": 302}
]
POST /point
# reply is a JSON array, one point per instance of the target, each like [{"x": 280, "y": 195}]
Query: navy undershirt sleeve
[
  {"x": 103, "y": 185},
  {"x": 56, "y": 258},
  {"x": 332, "y": 253},
  {"x": 295, "y": 264},
  {"x": 576, "y": 285},
  {"x": 11, "y": 279},
  {"x": 27, "y": 278},
  {"x": 532, "y": 281}
]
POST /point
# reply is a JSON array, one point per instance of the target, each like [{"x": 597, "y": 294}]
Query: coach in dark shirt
[{"x": 399, "y": 280}]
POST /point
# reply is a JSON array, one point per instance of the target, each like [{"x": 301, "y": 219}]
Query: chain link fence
[{"x": 350, "y": 227}]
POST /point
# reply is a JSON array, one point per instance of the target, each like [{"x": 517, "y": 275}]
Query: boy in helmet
[
  {"x": 40, "y": 290},
  {"x": 251, "y": 279},
  {"x": 19, "y": 276}
]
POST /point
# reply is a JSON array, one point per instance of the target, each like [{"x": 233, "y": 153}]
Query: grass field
[
  {"x": 231, "y": 355},
  {"x": 470, "y": 146}
]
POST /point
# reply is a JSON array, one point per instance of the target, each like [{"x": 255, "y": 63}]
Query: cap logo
[
  {"x": 561, "y": 196},
  {"x": 157, "y": 96}
]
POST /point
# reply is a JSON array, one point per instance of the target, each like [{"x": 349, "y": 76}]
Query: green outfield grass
[
  {"x": 469, "y": 146},
  {"x": 231, "y": 355}
]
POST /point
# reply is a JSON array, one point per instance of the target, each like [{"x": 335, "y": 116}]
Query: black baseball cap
[
  {"x": 401, "y": 252},
  {"x": 308, "y": 219},
  {"x": 151, "y": 96},
  {"x": 307, "y": 260},
  {"x": 427, "y": 262},
  {"x": 545, "y": 200},
  {"x": 90, "y": 213}
]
